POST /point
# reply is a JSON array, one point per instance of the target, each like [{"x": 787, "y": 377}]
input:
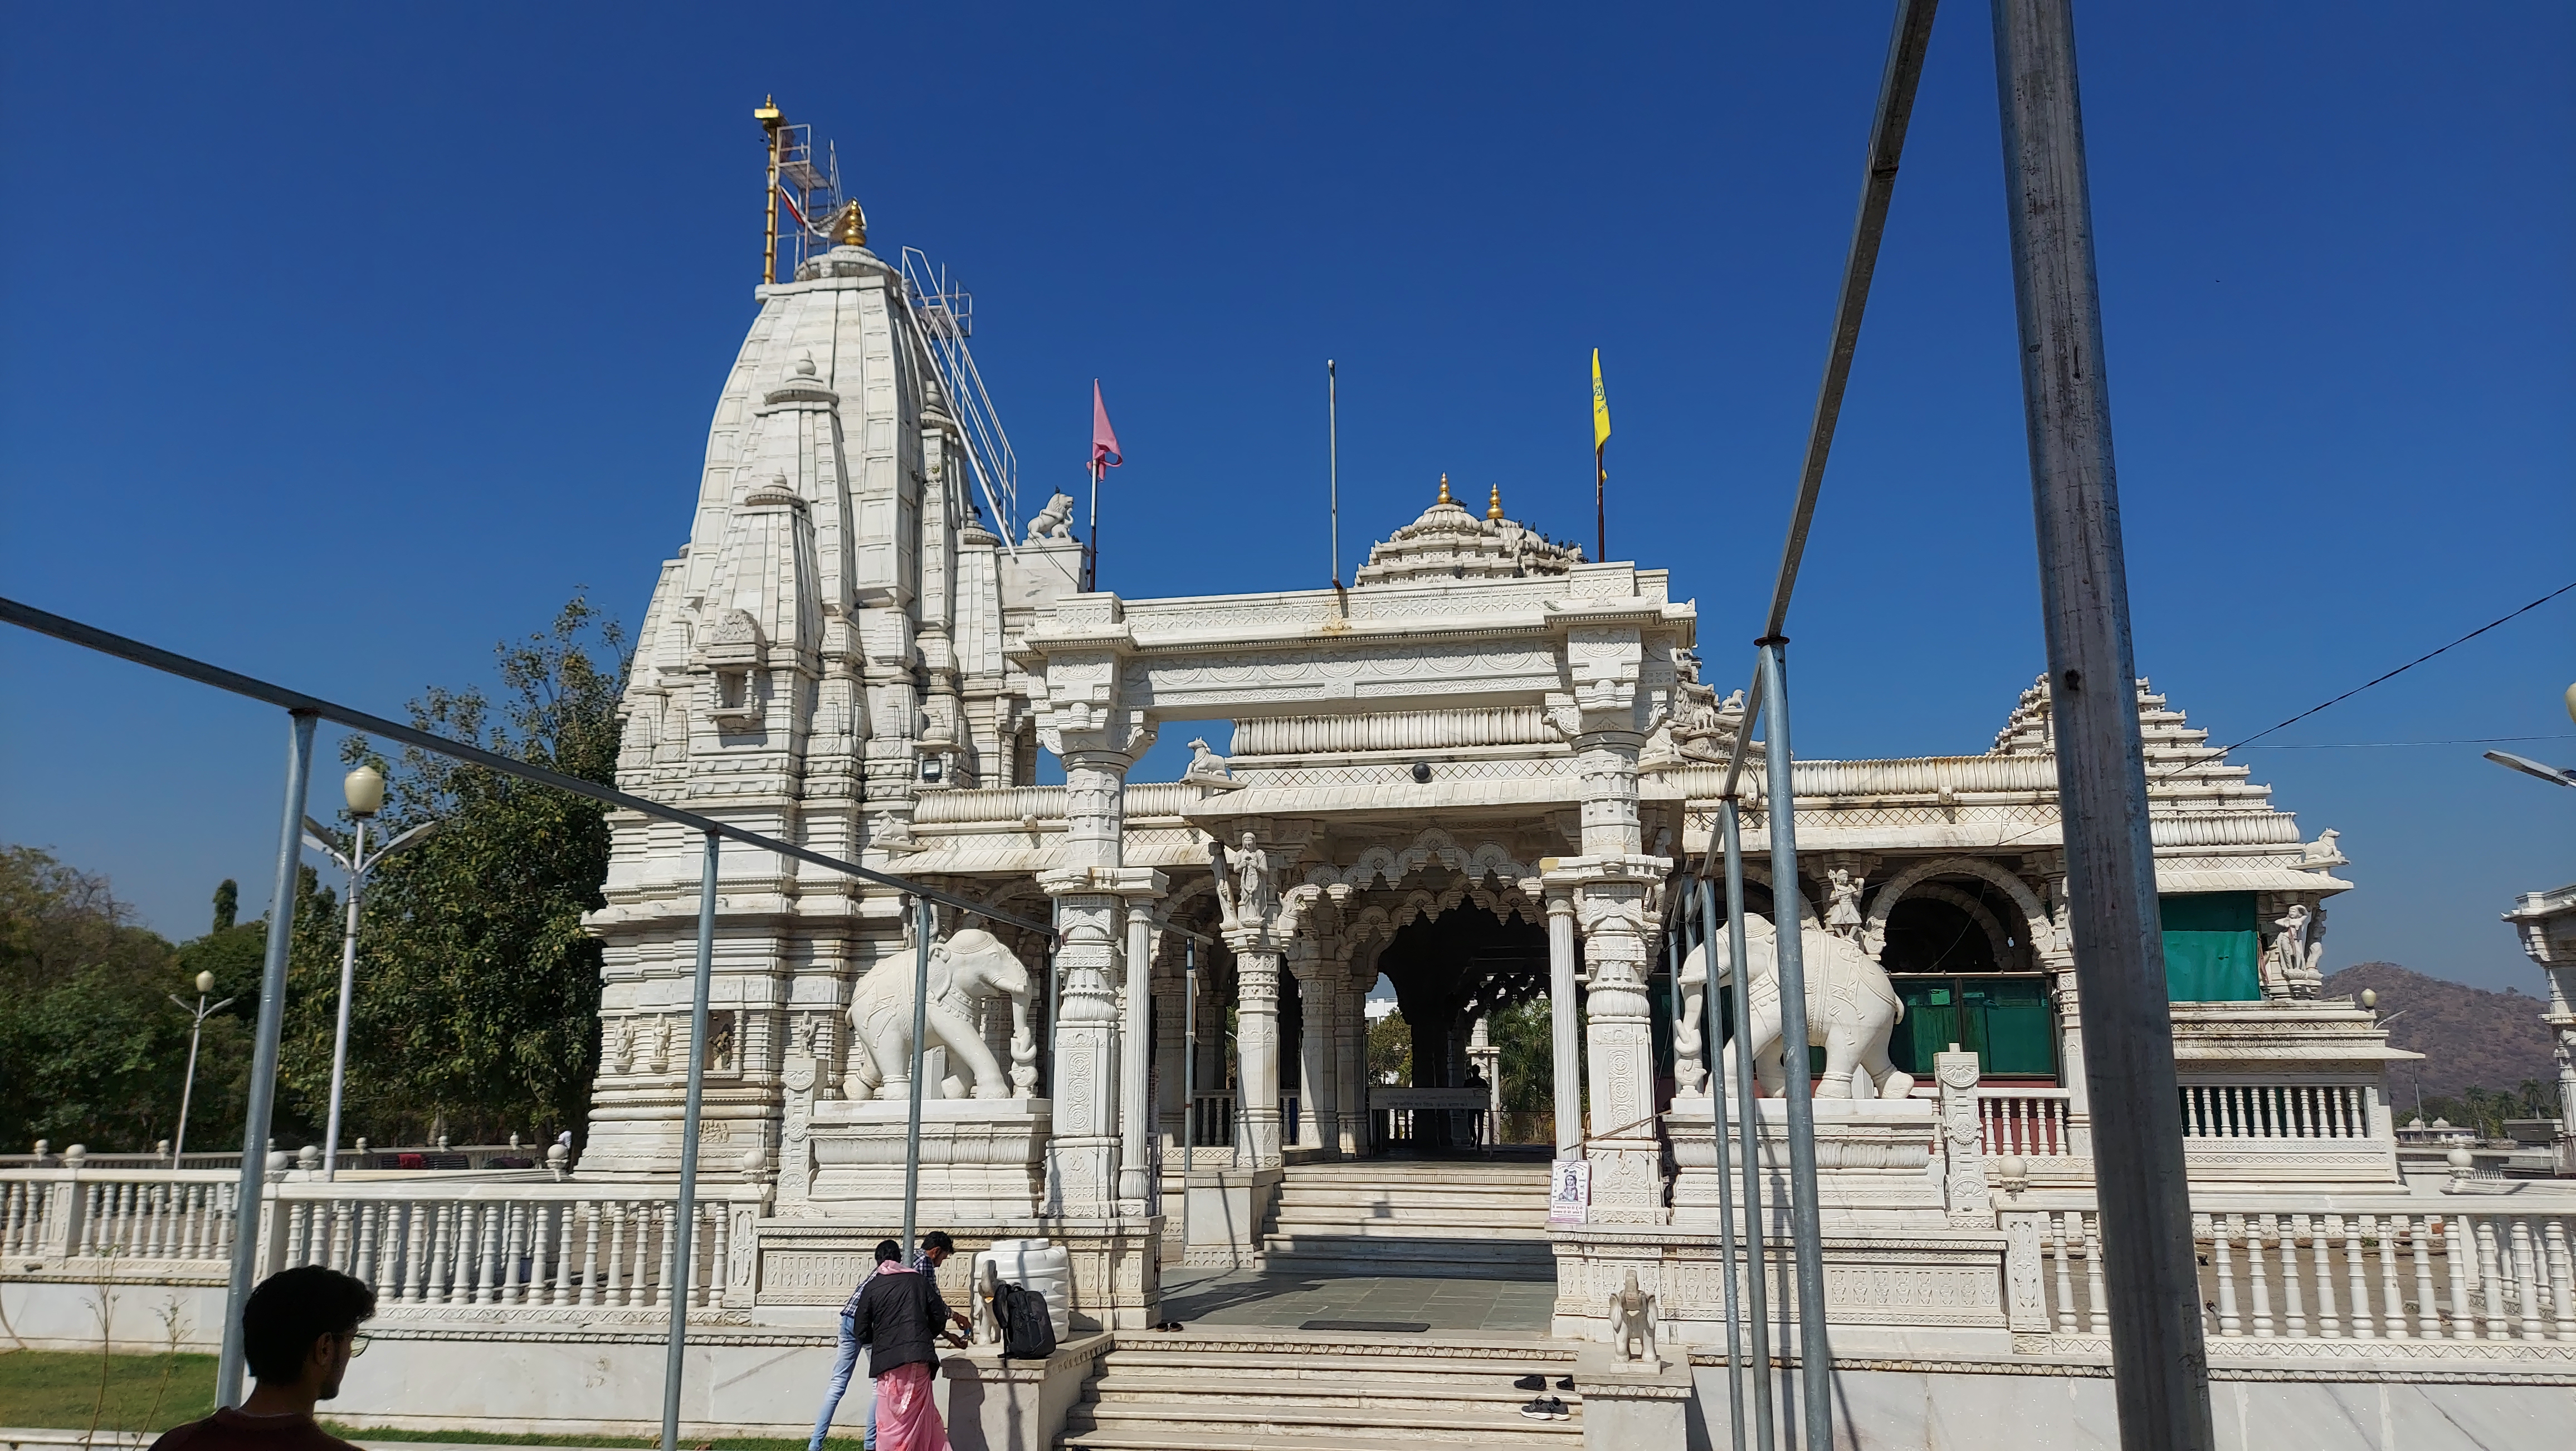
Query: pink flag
[{"x": 1104, "y": 440}]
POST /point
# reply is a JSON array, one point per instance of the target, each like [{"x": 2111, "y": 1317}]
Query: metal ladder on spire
[{"x": 943, "y": 317}]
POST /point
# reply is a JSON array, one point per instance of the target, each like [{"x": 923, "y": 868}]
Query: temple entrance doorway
[{"x": 1454, "y": 975}]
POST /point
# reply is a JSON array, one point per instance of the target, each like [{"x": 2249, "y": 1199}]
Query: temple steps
[
  {"x": 1427, "y": 1218},
  {"x": 1261, "y": 1389}
]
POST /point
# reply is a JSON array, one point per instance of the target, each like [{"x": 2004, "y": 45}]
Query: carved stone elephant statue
[
  {"x": 1852, "y": 1012},
  {"x": 965, "y": 970}
]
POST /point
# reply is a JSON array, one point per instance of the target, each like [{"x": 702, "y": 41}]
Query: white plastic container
[{"x": 1033, "y": 1264}]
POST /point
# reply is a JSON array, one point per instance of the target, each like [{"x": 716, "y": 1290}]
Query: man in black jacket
[{"x": 896, "y": 1317}]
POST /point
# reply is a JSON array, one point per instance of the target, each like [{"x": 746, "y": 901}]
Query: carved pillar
[
  {"x": 1626, "y": 1153},
  {"x": 1318, "y": 1122},
  {"x": 2053, "y": 945},
  {"x": 1085, "y": 721},
  {"x": 1350, "y": 1069},
  {"x": 1562, "y": 1011},
  {"x": 1616, "y": 686},
  {"x": 1135, "y": 1040},
  {"x": 1487, "y": 1056},
  {"x": 1169, "y": 1047},
  {"x": 1256, "y": 1042}
]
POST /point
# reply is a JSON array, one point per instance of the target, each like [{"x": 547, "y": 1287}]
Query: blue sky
[{"x": 337, "y": 343}]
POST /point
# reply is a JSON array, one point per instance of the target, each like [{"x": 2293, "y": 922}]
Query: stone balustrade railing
[
  {"x": 2419, "y": 1274},
  {"x": 2029, "y": 1122},
  {"x": 511, "y": 1244},
  {"x": 428, "y": 1244},
  {"x": 67, "y": 1214}
]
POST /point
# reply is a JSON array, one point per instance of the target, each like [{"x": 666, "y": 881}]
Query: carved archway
[
  {"x": 1999, "y": 938},
  {"x": 2040, "y": 931}
]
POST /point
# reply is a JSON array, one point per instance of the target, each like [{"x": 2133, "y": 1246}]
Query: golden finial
[
  {"x": 1494, "y": 503},
  {"x": 850, "y": 225},
  {"x": 1444, "y": 491}
]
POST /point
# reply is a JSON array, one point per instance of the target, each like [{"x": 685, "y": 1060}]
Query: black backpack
[{"x": 1027, "y": 1333}]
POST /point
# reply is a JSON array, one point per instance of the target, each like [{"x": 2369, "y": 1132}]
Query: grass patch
[
  {"x": 65, "y": 1389},
  {"x": 60, "y": 1390}
]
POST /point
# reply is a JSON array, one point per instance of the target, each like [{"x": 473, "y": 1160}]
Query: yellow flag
[{"x": 1600, "y": 406}]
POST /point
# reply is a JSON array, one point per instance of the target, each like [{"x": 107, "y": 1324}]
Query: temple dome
[{"x": 1447, "y": 542}]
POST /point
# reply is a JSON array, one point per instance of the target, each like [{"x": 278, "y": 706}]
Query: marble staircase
[
  {"x": 1258, "y": 1390},
  {"x": 1420, "y": 1218}
]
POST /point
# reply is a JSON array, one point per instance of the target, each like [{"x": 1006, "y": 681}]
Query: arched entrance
[{"x": 1448, "y": 970}]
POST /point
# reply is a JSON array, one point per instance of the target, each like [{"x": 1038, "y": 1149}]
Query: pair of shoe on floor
[{"x": 1544, "y": 1408}]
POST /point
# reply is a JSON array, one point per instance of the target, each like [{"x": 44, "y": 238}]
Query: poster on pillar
[{"x": 1569, "y": 1191}]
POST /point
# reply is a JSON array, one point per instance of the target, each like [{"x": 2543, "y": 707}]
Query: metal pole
[
  {"x": 686, "y": 1211},
  {"x": 921, "y": 925},
  {"x": 357, "y": 865},
  {"x": 2160, "y": 1368},
  {"x": 1748, "y": 1130},
  {"x": 263, "y": 1063},
  {"x": 1091, "y": 546},
  {"x": 1189, "y": 1083},
  {"x": 1815, "y": 1352},
  {"x": 1333, "y": 459},
  {"x": 1707, "y": 904},
  {"x": 188, "y": 1086}
]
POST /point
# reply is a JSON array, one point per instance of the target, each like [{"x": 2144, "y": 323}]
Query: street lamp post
[
  {"x": 196, "y": 1030},
  {"x": 365, "y": 790}
]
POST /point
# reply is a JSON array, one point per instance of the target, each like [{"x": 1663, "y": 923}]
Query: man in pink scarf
[{"x": 898, "y": 1314}]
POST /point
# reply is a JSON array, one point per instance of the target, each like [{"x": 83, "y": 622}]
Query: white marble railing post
[{"x": 1963, "y": 1135}]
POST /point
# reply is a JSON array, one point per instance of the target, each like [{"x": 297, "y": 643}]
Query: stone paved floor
[{"x": 1286, "y": 1301}]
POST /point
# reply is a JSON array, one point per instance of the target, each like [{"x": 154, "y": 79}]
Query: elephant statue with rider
[
  {"x": 1852, "y": 1011},
  {"x": 967, "y": 970}
]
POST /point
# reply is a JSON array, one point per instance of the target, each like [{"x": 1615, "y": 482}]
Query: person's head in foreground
[
  {"x": 888, "y": 1252},
  {"x": 299, "y": 1333}
]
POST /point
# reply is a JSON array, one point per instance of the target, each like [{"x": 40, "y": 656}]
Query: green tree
[
  {"x": 95, "y": 1049},
  {"x": 477, "y": 1007},
  {"x": 1390, "y": 1050}
]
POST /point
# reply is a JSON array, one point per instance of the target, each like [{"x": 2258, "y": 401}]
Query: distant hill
[{"x": 2469, "y": 1037}]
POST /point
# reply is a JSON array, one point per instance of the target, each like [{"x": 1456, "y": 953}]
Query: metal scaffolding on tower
[{"x": 816, "y": 213}]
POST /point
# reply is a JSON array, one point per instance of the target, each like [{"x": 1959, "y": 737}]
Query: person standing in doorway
[{"x": 936, "y": 1247}]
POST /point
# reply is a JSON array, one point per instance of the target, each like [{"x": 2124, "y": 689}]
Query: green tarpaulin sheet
[{"x": 2211, "y": 951}]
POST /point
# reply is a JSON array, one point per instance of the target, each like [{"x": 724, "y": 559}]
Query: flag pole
[
  {"x": 1600, "y": 468},
  {"x": 1333, "y": 460},
  {"x": 1091, "y": 546}
]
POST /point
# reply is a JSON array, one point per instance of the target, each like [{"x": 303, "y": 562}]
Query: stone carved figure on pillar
[
  {"x": 1632, "y": 1321},
  {"x": 1842, "y": 907},
  {"x": 966, "y": 970},
  {"x": 2290, "y": 969},
  {"x": 1255, "y": 895},
  {"x": 1852, "y": 1013},
  {"x": 1690, "y": 1061}
]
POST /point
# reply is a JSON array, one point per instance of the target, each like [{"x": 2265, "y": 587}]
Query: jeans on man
[{"x": 845, "y": 1362}]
